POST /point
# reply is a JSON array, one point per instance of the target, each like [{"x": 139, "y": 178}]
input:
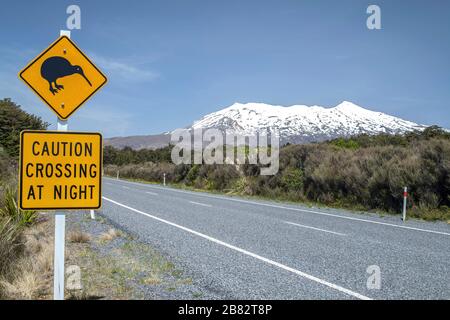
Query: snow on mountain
[
  {"x": 300, "y": 123},
  {"x": 295, "y": 124}
]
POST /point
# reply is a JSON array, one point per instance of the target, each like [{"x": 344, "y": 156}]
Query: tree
[{"x": 12, "y": 121}]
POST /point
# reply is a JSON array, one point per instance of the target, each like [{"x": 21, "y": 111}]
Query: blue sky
[{"x": 170, "y": 62}]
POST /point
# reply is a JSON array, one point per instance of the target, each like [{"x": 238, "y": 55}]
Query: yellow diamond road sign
[
  {"x": 63, "y": 77},
  {"x": 60, "y": 170}
]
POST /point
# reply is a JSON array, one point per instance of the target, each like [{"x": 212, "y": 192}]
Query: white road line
[
  {"x": 313, "y": 228},
  {"x": 152, "y": 193},
  {"x": 200, "y": 204},
  {"x": 299, "y": 210},
  {"x": 248, "y": 253},
  {"x": 125, "y": 187}
]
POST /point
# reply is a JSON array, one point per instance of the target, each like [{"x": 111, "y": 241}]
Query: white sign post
[{"x": 60, "y": 229}]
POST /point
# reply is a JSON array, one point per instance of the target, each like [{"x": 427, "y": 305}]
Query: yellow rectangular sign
[{"x": 60, "y": 170}]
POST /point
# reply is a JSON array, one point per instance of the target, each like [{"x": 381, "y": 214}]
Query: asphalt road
[{"x": 236, "y": 248}]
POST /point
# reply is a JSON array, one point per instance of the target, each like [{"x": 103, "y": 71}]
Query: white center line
[
  {"x": 313, "y": 228},
  {"x": 296, "y": 209},
  {"x": 248, "y": 253},
  {"x": 125, "y": 187},
  {"x": 200, "y": 204},
  {"x": 152, "y": 193}
]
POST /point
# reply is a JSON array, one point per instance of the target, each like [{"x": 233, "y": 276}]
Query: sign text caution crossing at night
[
  {"x": 60, "y": 170},
  {"x": 63, "y": 77}
]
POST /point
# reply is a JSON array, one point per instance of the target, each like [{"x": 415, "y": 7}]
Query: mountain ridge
[{"x": 295, "y": 124}]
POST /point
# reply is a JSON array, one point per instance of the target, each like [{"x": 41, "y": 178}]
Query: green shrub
[
  {"x": 345, "y": 143},
  {"x": 292, "y": 179},
  {"x": 10, "y": 209},
  {"x": 192, "y": 174}
]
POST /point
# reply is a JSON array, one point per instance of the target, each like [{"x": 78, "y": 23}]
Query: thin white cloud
[
  {"x": 16, "y": 53},
  {"x": 125, "y": 70},
  {"x": 110, "y": 122}
]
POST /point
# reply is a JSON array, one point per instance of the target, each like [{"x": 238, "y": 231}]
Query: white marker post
[
  {"x": 92, "y": 214},
  {"x": 164, "y": 174},
  {"x": 117, "y": 175},
  {"x": 60, "y": 229},
  {"x": 405, "y": 197}
]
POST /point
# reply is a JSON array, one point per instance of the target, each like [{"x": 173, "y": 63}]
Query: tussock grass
[
  {"x": 29, "y": 275},
  {"x": 110, "y": 235},
  {"x": 23, "y": 286},
  {"x": 11, "y": 243},
  {"x": 79, "y": 236}
]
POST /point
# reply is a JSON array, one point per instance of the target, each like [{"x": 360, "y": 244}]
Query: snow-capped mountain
[
  {"x": 300, "y": 123},
  {"x": 295, "y": 124}
]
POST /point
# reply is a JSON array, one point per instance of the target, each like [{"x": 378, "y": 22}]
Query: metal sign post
[{"x": 60, "y": 228}]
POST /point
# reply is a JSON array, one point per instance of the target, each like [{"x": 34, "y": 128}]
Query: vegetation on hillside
[
  {"x": 127, "y": 155},
  {"x": 363, "y": 172},
  {"x": 13, "y": 221}
]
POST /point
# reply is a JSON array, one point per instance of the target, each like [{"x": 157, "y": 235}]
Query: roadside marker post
[
  {"x": 405, "y": 197},
  {"x": 164, "y": 179},
  {"x": 61, "y": 170}
]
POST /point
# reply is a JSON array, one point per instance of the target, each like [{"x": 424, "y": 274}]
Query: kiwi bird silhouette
[{"x": 56, "y": 67}]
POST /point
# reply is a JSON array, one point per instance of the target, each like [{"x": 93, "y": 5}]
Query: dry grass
[
  {"x": 152, "y": 279},
  {"x": 103, "y": 276},
  {"x": 11, "y": 243},
  {"x": 110, "y": 235},
  {"x": 31, "y": 276},
  {"x": 24, "y": 284},
  {"x": 79, "y": 236}
]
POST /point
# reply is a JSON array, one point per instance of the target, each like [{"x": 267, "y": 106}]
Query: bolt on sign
[
  {"x": 60, "y": 170},
  {"x": 63, "y": 77}
]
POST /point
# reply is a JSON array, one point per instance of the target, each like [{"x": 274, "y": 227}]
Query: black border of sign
[
  {"x": 60, "y": 132},
  {"x": 42, "y": 98}
]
